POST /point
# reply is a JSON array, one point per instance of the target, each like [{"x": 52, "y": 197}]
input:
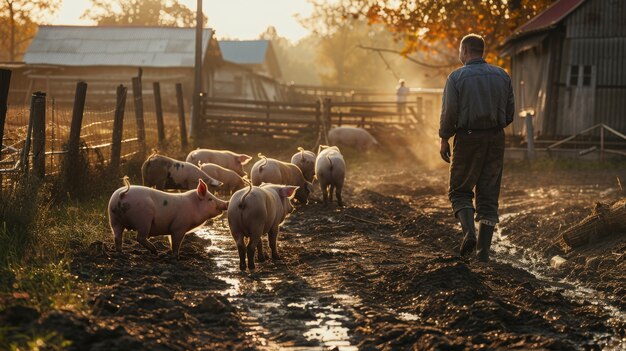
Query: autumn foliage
[{"x": 436, "y": 26}]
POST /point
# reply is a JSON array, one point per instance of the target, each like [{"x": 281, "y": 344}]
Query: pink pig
[
  {"x": 165, "y": 172},
  {"x": 305, "y": 160},
  {"x": 224, "y": 158},
  {"x": 230, "y": 179},
  {"x": 255, "y": 211},
  {"x": 153, "y": 212}
]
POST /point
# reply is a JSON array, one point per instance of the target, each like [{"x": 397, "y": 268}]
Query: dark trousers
[{"x": 477, "y": 160}]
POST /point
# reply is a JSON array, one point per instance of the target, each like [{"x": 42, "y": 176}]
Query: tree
[
  {"x": 344, "y": 61},
  {"x": 18, "y": 23},
  {"x": 434, "y": 27},
  {"x": 141, "y": 13}
]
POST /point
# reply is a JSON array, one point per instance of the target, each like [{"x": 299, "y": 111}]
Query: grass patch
[{"x": 11, "y": 340}]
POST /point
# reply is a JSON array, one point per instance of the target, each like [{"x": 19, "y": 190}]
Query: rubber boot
[
  {"x": 466, "y": 217},
  {"x": 485, "y": 233}
]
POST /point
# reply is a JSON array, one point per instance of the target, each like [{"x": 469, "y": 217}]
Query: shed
[
  {"x": 106, "y": 56},
  {"x": 569, "y": 65},
  {"x": 250, "y": 71}
]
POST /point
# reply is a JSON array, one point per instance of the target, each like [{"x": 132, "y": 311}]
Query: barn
[
  {"x": 250, "y": 71},
  {"x": 106, "y": 56},
  {"x": 568, "y": 64}
]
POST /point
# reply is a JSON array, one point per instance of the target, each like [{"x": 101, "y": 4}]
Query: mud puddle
[
  {"x": 279, "y": 307},
  {"x": 505, "y": 251}
]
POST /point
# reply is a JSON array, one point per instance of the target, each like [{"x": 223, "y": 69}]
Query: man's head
[
  {"x": 401, "y": 81},
  {"x": 472, "y": 46}
]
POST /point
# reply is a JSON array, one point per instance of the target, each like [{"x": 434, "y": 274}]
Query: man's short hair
[{"x": 474, "y": 44}]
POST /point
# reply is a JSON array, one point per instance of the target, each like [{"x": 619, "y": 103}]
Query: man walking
[{"x": 477, "y": 104}]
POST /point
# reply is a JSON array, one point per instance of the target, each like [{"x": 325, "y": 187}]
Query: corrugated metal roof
[
  {"x": 115, "y": 46},
  {"x": 546, "y": 19},
  {"x": 244, "y": 52}
]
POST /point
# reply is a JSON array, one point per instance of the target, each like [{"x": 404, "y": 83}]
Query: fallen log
[{"x": 604, "y": 221}]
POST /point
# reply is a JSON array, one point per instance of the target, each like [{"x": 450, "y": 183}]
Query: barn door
[{"x": 580, "y": 98}]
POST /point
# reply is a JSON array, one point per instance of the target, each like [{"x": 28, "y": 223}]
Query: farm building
[
  {"x": 106, "y": 56},
  {"x": 250, "y": 71},
  {"x": 569, "y": 64}
]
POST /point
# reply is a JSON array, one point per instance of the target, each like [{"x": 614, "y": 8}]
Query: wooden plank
[
  {"x": 260, "y": 109},
  {"x": 259, "y": 119},
  {"x": 260, "y": 126},
  {"x": 212, "y": 100}
]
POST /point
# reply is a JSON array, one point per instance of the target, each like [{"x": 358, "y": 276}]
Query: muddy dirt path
[
  {"x": 380, "y": 274},
  {"x": 383, "y": 273}
]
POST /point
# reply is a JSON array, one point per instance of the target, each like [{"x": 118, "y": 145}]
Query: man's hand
[{"x": 444, "y": 150}]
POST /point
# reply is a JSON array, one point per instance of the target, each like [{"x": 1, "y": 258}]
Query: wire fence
[{"x": 96, "y": 136}]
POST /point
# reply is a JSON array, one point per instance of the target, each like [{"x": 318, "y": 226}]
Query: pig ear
[
  {"x": 202, "y": 190},
  {"x": 288, "y": 191},
  {"x": 243, "y": 159}
]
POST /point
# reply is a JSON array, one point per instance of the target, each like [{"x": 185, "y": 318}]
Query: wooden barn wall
[{"x": 595, "y": 36}]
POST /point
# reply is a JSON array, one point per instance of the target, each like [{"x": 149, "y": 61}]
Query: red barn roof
[{"x": 546, "y": 19}]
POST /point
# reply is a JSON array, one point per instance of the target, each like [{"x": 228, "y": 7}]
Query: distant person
[
  {"x": 477, "y": 104},
  {"x": 401, "y": 93}
]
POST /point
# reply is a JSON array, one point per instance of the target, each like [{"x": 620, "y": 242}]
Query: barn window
[
  {"x": 586, "y": 76},
  {"x": 573, "y": 76}
]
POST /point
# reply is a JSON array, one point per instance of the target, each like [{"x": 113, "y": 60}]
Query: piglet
[
  {"x": 230, "y": 179},
  {"x": 164, "y": 172},
  {"x": 330, "y": 170},
  {"x": 224, "y": 158},
  {"x": 269, "y": 170},
  {"x": 358, "y": 138},
  {"x": 254, "y": 211},
  {"x": 153, "y": 212},
  {"x": 305, "y": 160}
]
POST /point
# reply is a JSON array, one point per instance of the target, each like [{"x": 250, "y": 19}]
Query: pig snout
[{"x": 222, "y": 205}]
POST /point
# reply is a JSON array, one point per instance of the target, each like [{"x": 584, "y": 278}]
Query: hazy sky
[{"x": 242, "y": 19}]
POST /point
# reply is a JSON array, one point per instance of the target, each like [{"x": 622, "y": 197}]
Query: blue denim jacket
[{"x": 476, "y": 96}]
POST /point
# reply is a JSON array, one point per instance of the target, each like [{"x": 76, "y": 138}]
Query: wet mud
[{"x": 382, "y": 273}]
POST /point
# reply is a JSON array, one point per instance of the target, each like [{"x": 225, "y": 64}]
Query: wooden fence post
[
  {"x": 38, "y": 115},
  {"x": 267, "y": 117},
  {"x": 419, "y": 107},
  {"x": 5, "y": 81},
  {"x": 327, "y": 107},
  {"x": 73, "y": 144},
  {"x": 318, "y": 116},
  {"x": 181, "y": 116},
  {"x": 118, "y": 128},
  {"x": 159, "y": 112},
  {"x": 25, "y": 153},
  {"x": 138, "y": 102}
]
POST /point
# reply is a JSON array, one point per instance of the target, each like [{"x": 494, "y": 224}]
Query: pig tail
[
  {"x": 127, "y": 183},
  {"x": 242, "y": 205},
  {"x": 264, "y": 159}
]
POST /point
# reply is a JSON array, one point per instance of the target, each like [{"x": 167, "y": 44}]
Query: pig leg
[
  {"x": 176, "y": 241},
  {"x": 324, "y": 188},
  {"x": 142, "y": 238},
  {"x": 118, "y": 235},
  {"x": 252, "y": 243},
  {"x": 241, "y": 248},
  {"x": 330, "y": 193},
  {"x": 260, "y": 254},
  {"x": 339, "y": 201},
  {"x": 273, "y": 235}
]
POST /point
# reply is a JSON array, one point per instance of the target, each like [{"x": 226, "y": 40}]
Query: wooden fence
[
  {"x": 291, "y": 119},
  {"x": 39, "y": 138}
]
